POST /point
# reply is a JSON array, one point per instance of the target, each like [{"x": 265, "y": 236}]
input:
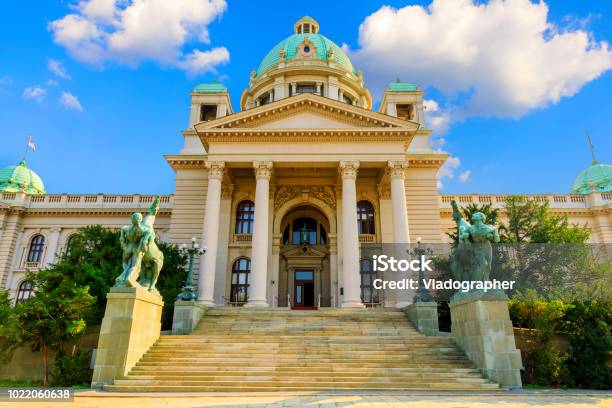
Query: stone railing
[
  {"x": 242, "y": 238},
  {"x": 85, "y": 200},
  {"x": 367, "y": 238},
  {"x": 554, "y": 200}
]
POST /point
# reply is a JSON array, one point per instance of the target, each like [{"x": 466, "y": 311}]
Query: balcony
[
  {"x": 242, "y": 238},
  {"x": 556, "y": 201}
]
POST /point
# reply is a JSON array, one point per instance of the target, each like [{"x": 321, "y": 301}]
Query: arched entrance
[{"x": 304, "y": 261}]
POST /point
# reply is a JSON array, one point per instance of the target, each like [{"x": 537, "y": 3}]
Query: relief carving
[
  {"x": 284, "y": 194},
  {"x": 325, "y": 194}
]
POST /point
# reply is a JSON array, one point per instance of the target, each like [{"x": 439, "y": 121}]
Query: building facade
[{"x": 284, "y": 191}]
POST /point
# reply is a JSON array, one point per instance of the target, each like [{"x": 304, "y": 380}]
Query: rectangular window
[
  {"x": 405, "y": 111},
  {"x": 208, "y": 112}
]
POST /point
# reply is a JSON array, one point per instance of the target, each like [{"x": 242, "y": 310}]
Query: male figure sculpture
[
  {"x": 142, "y": 259},
  {"x": 472, "y": 257}
]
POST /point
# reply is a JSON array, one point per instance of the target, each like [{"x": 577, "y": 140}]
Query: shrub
[{"x": 71, "y": 370}]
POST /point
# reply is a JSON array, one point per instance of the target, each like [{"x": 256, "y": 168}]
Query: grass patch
[{"x": 20, "y": 383}]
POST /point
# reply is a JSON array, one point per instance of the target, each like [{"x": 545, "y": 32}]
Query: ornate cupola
[
  {"x": 306, "y": 62},
  {"x": 306, "y": 25}
]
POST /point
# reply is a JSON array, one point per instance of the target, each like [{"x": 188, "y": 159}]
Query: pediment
[{"x": 307, "y": 111}]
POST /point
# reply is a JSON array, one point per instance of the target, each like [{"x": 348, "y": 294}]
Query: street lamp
[
  {"x": 188, "y": 293},
  {"x": 422, "y": 294}
]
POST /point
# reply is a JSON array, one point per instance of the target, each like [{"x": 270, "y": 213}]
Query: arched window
[
  {"x": 368, "y": 275},
  {"x": 245, "y": 215},
  {"x": 304, "y": 231},
  {"x": 25, "y": 291},
  {"x": 37, "y": 246},
  {"x": 69, "y": 242},
  {"x": 365, "y": 217},
  {"x": 240, "y": 280}
]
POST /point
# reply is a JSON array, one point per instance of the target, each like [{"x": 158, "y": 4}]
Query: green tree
[
  {"x": 94, "y": 260},
  {"x": 530, "y": 221},
  {"x": 47, "y": 321}
]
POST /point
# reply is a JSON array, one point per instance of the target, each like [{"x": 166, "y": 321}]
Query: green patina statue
[
  {"x": 472, "y": 256},
  {"x": 142, "y": 259}
]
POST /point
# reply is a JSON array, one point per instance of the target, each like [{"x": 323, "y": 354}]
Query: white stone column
[
  {"x": 52, "y": 246},
  {"x": 350, "y": 237},
  {"x": 258, "y": 279},
  {"x": 210, "y": 235},
  {"x": 398, "y": 200},
  {"x": 401, "y": 236}
]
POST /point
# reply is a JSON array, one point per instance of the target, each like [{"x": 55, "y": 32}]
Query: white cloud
[
  {"x": 70, "y": 101},
  {"x": 35, "y": 92},
  {"x": 51, "y": 82},
  {"x": 204, "y": 61},
  {"x": 57, "y": 68},
  {"x": 448, "y": 168},
  {"x": 499, "y": 58},
  {"x": 132, "y": 31},
  {"x": 465, "y": 176}
]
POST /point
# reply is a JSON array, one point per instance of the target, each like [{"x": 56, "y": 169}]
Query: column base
[
  {"x": 207, "y": 302},
  {"x": 353, "y": 304},
  {"x": 256, "y": 303}
]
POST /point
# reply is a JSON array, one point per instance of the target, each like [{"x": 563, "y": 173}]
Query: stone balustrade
[
  {"x": 555, "y": 200},
  {"x": 85, "y": 200}
]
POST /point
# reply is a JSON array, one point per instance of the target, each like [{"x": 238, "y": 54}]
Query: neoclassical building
[{"x": 284, "y": 191}]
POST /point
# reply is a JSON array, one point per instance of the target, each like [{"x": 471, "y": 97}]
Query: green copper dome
[
  {"x": 20, "y": 179},
  {"x": 324, "y": 48},
  {"x": 596, "y": 178}
]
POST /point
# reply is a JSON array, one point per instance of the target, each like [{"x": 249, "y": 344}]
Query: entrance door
[{"x": 303, "y": 293}]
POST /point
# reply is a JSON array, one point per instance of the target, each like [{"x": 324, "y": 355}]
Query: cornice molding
[{"x": 186, "y": 161}]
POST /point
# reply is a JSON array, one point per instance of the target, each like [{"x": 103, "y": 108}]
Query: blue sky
[{"x": 513, "y": 116}]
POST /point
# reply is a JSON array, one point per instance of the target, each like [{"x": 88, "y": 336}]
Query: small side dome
[
  {"x": 597, "y": 178},
  {"x": 20, "y": 179}
]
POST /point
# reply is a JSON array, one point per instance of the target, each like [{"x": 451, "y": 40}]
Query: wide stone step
[
  {"x": 321, "y": 376},
  {"x": 370, "y": 382},
  {"x": 303, "y": 363},
  {"x": 301, "y": 371}
]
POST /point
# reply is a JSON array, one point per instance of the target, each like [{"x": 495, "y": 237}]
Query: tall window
[
  {"x": 208, "y": 112},
  {"x": 37, "y": 246},
  {"x": 245, "y": 216},
  {"x": 347, "y": 99},
  {"x": 25, "y": 291},
  {"x": 69, "y": 243},
  {"x": 365, "y": 217},
  {"x": 368, "y": 275},
  {"x": 240, "y": 280}
]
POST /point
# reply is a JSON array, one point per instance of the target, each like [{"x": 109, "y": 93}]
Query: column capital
[
  {"x": 263, "y": 170},
  {"x": 396, "y": 168},
  {"x": 348, "y": 169},
  {"x": 216, "y": 169}
]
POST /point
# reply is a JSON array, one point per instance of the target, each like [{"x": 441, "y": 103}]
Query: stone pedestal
[
  {"x": 424, "y": 317},
  {"x": 131, "y": 324},
  {"x": 187, "y": 314},
  {"x": 481, "y": 326}
]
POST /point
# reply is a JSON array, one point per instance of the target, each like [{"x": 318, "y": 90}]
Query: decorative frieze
[
  {"x": 325, "y": 194},
  {"x": 284, "y": 194}
]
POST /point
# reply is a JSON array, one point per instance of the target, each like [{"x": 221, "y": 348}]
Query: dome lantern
[{"x": 306, "y": 25}]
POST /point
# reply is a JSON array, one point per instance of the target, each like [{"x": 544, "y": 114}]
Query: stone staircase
[{"x": 244, "y": 349}]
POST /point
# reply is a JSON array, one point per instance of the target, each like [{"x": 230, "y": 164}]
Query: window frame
[
  {"x": 24, "y": 292},
  {"x": 245, "y": 217},
  {"x": 36, "y": 248},
  {"x": 366, "y": 220},
  {"x": 235, "y": 288}
]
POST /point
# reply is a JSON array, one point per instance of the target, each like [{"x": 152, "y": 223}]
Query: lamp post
[
  {"x": 422, "y": 294},
  {"x": 188, "y": 293}
]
